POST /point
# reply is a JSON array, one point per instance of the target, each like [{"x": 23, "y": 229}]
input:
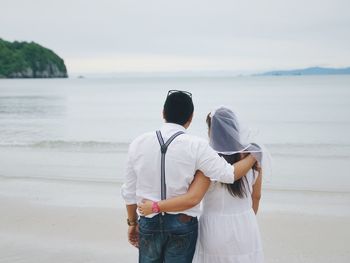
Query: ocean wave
[
  {"x": 71, "y": 145},
  {"x": 108, "y": 180},
  {"x": 120, "y": 180},
  {"x": 291, "y": 150},
  {"x": 315, "y": 150}
]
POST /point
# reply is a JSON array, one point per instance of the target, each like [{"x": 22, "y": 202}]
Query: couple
[{"x": 168, "y": 173}]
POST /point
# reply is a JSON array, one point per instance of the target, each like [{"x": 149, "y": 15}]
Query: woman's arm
[
  {"x": 194, "y": 195},
  {"x": 256, "y": 194}
]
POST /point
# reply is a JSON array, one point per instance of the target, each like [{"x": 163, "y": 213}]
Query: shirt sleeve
[
  {"x": 214, "y": 166},
  {"x": 128, "y": 189}
]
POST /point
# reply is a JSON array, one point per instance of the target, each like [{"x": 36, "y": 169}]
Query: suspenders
[{"x": 163, "y": 149}]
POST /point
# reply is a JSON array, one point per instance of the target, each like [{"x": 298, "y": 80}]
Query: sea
[{"x": 79, "y": 129}]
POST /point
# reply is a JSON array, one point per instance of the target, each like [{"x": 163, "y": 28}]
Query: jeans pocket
[
  {"x": 147, "y": 247},
  {"x": 182, "y": 243},
  {"x": 185, "y": 220}
]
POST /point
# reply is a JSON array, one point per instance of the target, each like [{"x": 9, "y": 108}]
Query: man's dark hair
[{"x": 178, "y": 108}]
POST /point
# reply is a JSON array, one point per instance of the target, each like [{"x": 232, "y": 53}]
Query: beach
[
  {"x": 63, "y": 148},
  {"x": 39, "y": 224},
  {"x": 80, "y": 81},
  {"x": 36, "y": 225}
]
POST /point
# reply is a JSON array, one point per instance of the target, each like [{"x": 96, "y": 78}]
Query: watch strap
[{"x": 131, "y": 223}]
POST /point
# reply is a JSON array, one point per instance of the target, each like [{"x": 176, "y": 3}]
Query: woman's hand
[{"x": 145, "y": 207}]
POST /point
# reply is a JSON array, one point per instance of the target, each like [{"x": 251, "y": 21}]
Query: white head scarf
[
  {"x": 226, "y": 137},
  {"x": 225, "y": 132}
]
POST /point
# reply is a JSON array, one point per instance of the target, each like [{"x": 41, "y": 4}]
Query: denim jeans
[{"x": 167, "y": 238}]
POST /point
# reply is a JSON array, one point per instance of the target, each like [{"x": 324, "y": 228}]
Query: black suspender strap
[{"x": 163, "y": 149}]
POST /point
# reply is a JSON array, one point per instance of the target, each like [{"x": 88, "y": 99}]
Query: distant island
[
  {"x": 29, "y": 60},
  {"x": 308, "y": 71}
]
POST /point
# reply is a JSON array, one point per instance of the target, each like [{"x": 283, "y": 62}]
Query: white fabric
[
  {"x": 225, "y": 133},
  {"x": 185, "y": 155},
  {"x": 228, "y": 137},
  {"x": 228, "y": 229}
]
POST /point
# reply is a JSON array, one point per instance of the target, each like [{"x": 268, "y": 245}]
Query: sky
[{"x": 106, "y": 36}]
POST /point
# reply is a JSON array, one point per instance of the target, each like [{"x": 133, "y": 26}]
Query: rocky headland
[{"x": 29, "y": 60}]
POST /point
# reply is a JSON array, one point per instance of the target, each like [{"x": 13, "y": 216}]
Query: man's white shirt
[{"x": 185, "y": 155}]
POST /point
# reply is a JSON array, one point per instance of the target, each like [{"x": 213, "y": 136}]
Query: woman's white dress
[{"x": 228, "y": 229}]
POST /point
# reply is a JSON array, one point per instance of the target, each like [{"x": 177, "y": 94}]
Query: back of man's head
[{"x": 178, "y": 108}]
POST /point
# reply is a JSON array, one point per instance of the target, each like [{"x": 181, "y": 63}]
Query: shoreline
[
  {"x": 87, "y": 193},
  {"x": 118, "y": 183}
]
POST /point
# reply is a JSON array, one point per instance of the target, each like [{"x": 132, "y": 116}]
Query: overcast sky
[{"x": 159, "y": 35}]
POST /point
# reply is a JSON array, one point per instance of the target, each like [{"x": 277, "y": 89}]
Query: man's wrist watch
[
  {"x": 131, "y": 223},
  {"x": 155, "y": 207}
]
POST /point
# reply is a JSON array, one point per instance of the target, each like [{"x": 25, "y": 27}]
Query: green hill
[{"x": 29, "y": 60}]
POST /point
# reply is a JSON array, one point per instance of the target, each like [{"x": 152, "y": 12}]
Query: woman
[{"x": 228, "y": 230}]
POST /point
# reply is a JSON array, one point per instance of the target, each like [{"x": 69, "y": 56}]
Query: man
[{"x": 171, "y": 237}]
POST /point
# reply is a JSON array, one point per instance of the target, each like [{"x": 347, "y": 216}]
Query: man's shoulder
[{"x": 142, "y": 137}]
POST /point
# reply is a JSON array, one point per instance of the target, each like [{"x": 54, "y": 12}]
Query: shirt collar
[{"x": 172, "y": 127}]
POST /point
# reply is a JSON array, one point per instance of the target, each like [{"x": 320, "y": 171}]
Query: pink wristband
[{"x": 155, "y": 207}]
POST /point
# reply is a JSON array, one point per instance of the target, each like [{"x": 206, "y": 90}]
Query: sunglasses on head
[{"x": 179, "y": 91}]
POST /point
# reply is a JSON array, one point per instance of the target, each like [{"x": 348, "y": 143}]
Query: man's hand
[
  {"x": 133, "y": 235},
  {"x": 133, "y": 231},
  {"x": 256, "y": 151}
]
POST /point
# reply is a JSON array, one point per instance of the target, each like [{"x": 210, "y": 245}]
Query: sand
[
  {"x": 41, "y": 233},
  {"x": 35, "y": 227}
]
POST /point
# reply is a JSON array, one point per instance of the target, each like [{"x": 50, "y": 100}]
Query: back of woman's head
[
  {"x": 223, "y": 131},
  {"x": 224, "y": 135}
]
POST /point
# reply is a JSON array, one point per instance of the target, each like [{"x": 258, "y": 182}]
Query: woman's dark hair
[
  {"x": 178, "y": 108},
  {"x": 238, "y": 188}
]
